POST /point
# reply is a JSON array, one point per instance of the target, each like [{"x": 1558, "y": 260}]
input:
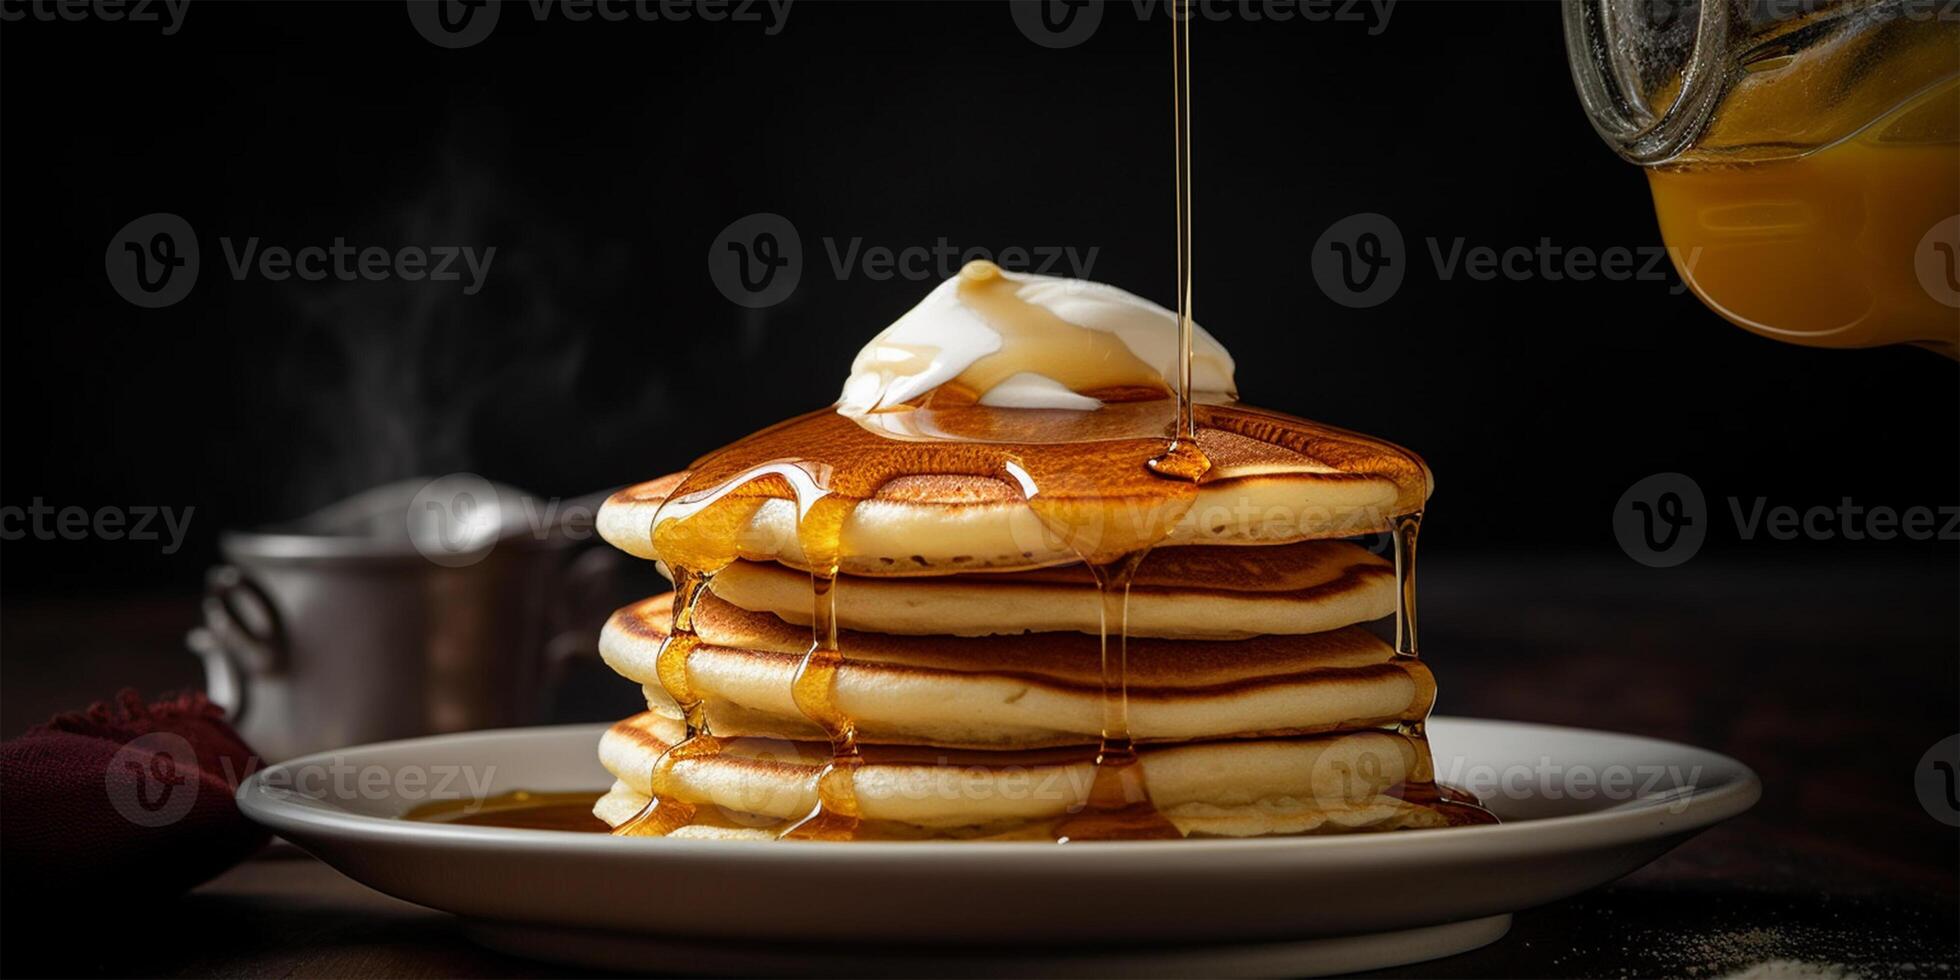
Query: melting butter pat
[{"x": 1019, "y": 340}]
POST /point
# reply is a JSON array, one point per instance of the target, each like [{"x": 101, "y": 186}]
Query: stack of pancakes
[{"x": 1263, "y": 698}]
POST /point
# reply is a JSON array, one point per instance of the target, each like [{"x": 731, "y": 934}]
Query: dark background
[{"x": 601, "y": 160}]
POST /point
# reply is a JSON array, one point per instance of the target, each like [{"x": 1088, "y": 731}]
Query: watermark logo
[
  {"x": 1662, "y": 520},
  {"x": 757, "y": 261},
  {"x": 1057, "y": 23},
  {"x": 1936, "y": 780},
  {"x": 152, "y": 261},
  {"x": 1663, "y": 14},
  {"x": 1352, "y": 772},
  {"x": 455, "y": 520},
  {"x": 751, "y": 804},
  {"x": 152, "y": 779},
  {"x": 454, "y": 23},
  {"x": 169, "y": 13},
  {"x": 1359, "y": 260},
  {"x": 1937, "y": 262}
]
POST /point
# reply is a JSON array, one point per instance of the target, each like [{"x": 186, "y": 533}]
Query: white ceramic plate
[{"x": 1580, "y": 808}]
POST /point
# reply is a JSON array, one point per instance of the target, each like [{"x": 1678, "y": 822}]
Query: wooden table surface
[{"x": 1830, "y": 678}]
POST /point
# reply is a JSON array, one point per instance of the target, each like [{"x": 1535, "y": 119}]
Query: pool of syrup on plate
[{"x": 521, "y": 809}]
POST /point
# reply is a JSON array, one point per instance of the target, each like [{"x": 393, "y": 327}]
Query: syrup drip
[
  {"x": 1457, "y": 808},
  {"x": 708, "y": 527},
  {"x": 814, "y": 687},
  {"x": 1402, "y": 533},
  {"x": 1187, "y": 427},
  {"x": 666, "y": 812},
  {"x": 1119, "y": 805}
]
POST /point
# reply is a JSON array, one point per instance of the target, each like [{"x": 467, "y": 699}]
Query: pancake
[
  {"x": 1274, "y": 479},
  {"x": 1033, "y": 691},
  {"x": 1201, "y": 592},
  {"x": 1320, "y": 784},
  {"x": 620, "y": 803}
]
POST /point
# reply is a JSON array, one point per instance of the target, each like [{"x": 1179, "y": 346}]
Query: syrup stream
[
  {"x": 1119, "y": 805},
  {"x": 1402, "y": 533},
  {"x": 1182, "y": 459},
  {"x": 1187, "y": 427}
]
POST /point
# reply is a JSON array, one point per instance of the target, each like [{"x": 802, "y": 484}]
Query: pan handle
[{"x": 241, "y": 636}]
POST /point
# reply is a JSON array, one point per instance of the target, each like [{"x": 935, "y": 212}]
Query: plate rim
[{"x": 1601, "y": 828}]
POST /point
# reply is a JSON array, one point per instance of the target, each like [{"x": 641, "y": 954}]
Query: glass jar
[{"x": 1804, "y": 155}]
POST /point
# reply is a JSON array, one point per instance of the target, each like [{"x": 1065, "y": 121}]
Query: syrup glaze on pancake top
[{"x": 1034, "y": 439}]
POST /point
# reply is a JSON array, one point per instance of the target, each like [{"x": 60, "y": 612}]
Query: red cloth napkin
[{"x": 124, "y": 799}]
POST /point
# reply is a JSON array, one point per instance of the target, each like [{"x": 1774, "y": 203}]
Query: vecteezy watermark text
[
  {"x": 154, "y": 780},
  {"x": 1551, "y": 262},
  {"x": 757, "y": 260},
  {"x": 1671, "y": 786},
  {"x": 1844, "y": 519},
  {"x": 1361, "y": 261},
  {"x": 349, "y": 263},
  {"x": 1066, "y": 23},
  {"x": 942, "y": 260},
  {"x": 339, "y": 779},
  {"x": 169, "y": 13},
  {"x": 463, "y": 23},
  {"x": 43, "y": 521},
  {"x": 1663, "y": 519},
  {"x": 154, "y": 261}
]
